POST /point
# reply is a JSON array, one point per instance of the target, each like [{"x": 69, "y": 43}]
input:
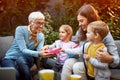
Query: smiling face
[
  {"x": 83, "y": 22},
  {"x": 37, "y": 26},
  {"x": 63, "y": 34}
]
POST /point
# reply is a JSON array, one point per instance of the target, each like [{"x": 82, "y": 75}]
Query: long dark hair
[{"x": 89, "y": 12}]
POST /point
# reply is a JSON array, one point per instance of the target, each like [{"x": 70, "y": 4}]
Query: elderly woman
[{"x": 27, "y": 44}]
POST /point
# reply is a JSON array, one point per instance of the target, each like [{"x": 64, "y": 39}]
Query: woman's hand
[
  {"x": 104, "y": 56},
  {"x": 45, "y": 54}
]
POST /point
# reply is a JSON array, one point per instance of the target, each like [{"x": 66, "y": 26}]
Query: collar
[{"x": 29, "y": 29}]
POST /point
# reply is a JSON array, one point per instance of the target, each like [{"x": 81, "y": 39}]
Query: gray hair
[{"x": 35, "y": 15}]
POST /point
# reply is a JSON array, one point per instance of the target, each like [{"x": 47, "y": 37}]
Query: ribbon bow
[{"x": 34, "y": 36}]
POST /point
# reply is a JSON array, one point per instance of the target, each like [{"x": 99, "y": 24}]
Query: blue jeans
[
  {"x": 24, "y": 64},
  {"x": 11, "y": 63}
]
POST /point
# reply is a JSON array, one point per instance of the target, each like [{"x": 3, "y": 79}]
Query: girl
[{"x": 65, "y": 34}]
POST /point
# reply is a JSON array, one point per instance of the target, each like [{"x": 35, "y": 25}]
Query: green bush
[{"x": 50, "y": 35}]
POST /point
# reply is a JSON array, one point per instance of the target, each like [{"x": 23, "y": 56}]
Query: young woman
[
  {"x": 27, "y": 44},
  {"x": 96, "y": 70},
  {"x": 87, "y": 14}
]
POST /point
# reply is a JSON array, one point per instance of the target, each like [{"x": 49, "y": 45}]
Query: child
[
  {"x": 65, "y": 34},
  {"x": 96, "y": 70}
]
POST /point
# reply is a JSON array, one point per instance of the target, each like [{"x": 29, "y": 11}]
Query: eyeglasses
[{"x": 39, "y": 23}]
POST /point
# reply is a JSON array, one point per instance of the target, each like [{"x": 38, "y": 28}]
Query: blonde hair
[
  {"x": 68, "y": 29},
  {"x": 99, "y": 27}
]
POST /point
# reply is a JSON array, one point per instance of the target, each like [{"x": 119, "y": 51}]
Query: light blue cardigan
[{"x": 22, "y": 45}]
